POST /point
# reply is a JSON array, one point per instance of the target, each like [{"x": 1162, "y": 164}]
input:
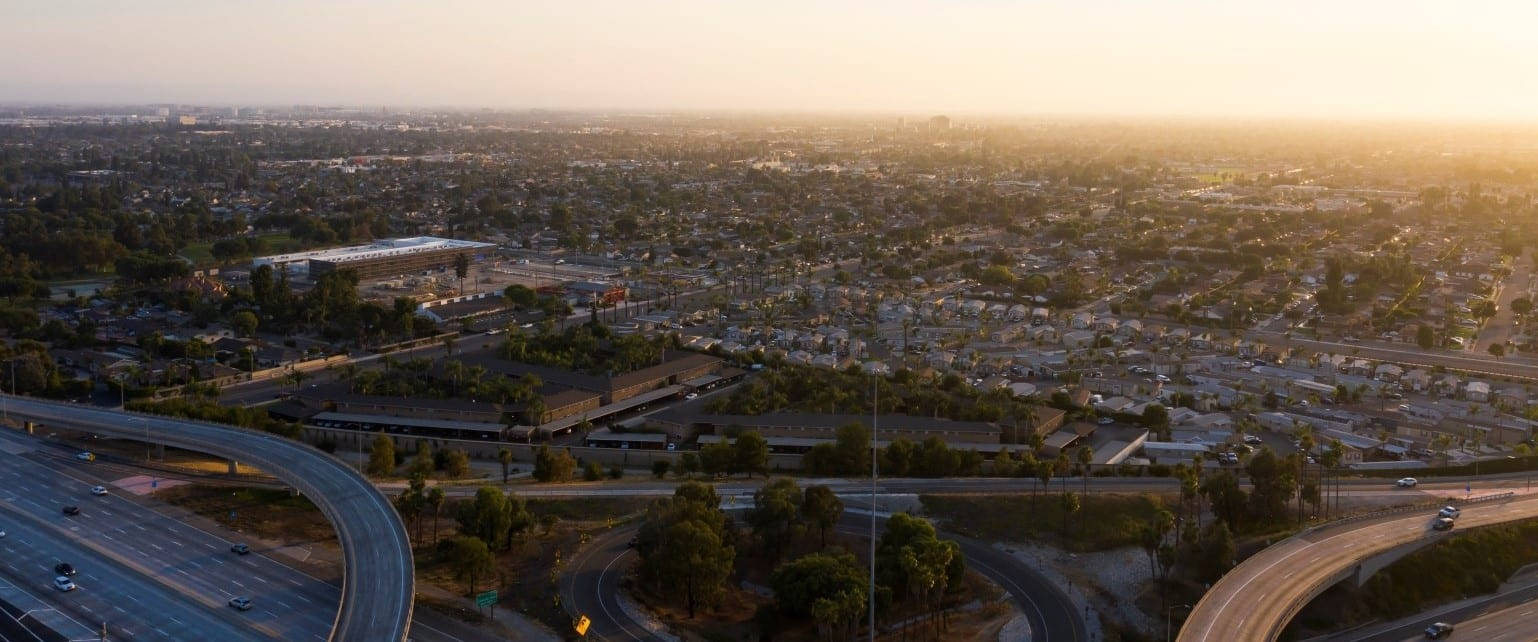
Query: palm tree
[
  {"x": 505, "y": 456},
  {"x": 435, "y": 499}
]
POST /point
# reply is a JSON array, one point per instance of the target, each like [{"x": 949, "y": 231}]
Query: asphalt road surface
[
  {"x": 1257, "y": 598},
  {"x": 132, "y": 606},
  {"x": 591, "y": 585},
  {"x": 378, "y": 579},
  {"x": 301, "y": 599}
]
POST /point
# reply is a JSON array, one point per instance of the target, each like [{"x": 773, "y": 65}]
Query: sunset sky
[{"x": 1308, "y": 58}]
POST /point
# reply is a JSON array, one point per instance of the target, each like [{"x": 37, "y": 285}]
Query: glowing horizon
[{"x": 1361, "y": 60}]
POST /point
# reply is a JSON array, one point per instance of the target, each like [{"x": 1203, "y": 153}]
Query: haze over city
[
  {"x": 972, "y": 320},
  {"x": 1311, "y": 59}
]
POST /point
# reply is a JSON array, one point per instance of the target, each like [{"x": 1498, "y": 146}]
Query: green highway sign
[{"x": 486, "y": 599}]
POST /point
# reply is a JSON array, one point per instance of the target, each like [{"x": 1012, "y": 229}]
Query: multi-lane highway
[
  {"x": 109, "y": 593},
  {"x": 591, "y": 586},
  {"x": 1256, "y": 599},
  {"x": 193, "y": 555},
  {"x": 378, "y": 582}
]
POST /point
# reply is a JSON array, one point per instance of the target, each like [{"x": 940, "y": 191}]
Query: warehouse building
[{"x": 381, "y": 259}]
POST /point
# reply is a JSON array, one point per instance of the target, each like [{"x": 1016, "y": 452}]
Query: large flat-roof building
[{"x": 381, "y": 259}]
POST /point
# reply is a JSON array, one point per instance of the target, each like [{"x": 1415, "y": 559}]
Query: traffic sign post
[{"x": 488, "y": 600}]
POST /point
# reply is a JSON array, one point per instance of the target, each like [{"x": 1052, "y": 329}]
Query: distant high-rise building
[
  {"x": 188, "y": 120},
  {"x": 940, "y": 122},
  {"x": 162, "y": 111}
]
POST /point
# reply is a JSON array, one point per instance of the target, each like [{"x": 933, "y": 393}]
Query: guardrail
[{"x": 1296, "y": 604}]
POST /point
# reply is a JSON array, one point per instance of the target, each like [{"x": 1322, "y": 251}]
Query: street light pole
[{"x": 875, "y": 400}]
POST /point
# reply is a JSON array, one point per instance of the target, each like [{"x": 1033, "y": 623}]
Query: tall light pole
[{"x": 875, "y": 399}]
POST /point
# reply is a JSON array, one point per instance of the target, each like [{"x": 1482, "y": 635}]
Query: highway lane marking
[
  {"x": 178, "y": 622},
  {"x": 604, "y": 605},
  {"x": 259, "y": 579}
]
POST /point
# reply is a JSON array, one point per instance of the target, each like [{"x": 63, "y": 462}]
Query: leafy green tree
[
  {"x": 553, "y": 465},
  {"x": 830, "y": 588},
  {"x": 461, "y": 270},
  {"x": 1069, "y": 503},
  {"x": 718, "y": 458},
  {"x": 470, "y": 559},
  {"x": 1272, "y": 484},
  {"x": 660, "y": 468},
  {"x": 245, "y": 323},
  {"x": 820, "y": 507},
  {"x": 457, "y": 464},
  {"x": 685, "y": 546},
  {"x": 487, "y": 517},
  {"x": 751, "y": 453},
  {"x": 775, "y": 516},
  {"x": 435, "y": 499},
  {"x": 853, "y": 446},
  {"x": 1522, "y": 305},
  {"x": 1425, "y": 337},
  {"x": 424, "y": 462},
  {"x": 381, "y": 457},
  {"x": 1223, "y": 493}
]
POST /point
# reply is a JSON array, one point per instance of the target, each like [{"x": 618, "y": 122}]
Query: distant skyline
[{"x": 1363, "y": 59}]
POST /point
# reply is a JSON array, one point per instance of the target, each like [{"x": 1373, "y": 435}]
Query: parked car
[
  {"x": 1406, "y": 482},
  {"x": 1450, "y": 512},
  {"x": 1442, "y": 524},
  {"x": 1252, "y": 440},
  {"x": 1105, "y": 421},
  {"x": 1438, "y": 631}
]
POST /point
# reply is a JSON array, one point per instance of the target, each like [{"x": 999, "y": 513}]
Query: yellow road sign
[{"x": 581, "y": 625}]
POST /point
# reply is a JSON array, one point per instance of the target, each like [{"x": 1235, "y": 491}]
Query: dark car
[
  {"x": 240, "y": 549},
  {"x": 1442, "y": 524},
  {"x": 63, "y": 569},
  {"x": 1439, "y": 630},
  {"x": 71, "y": 510}
]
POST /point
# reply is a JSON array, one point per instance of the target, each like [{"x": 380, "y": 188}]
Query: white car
[
  {"x": 64, "y": 584},
  {"x": 692, "y": 395},
  {"x": 1406, "y": 482},
  {"x": 1450, "y": 512},
  {"x": 86, "y": 456},
  {"x": 98, "y": 490}
]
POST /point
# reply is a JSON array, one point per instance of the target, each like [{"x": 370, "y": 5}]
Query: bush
[
  {"x": 660, "y": 468},
  {"x": 1158, "y": 470},
  {"x": 616, "y": 472},
  {"x": 592, "y": 472},
  {"x": 327, "y": 445}
]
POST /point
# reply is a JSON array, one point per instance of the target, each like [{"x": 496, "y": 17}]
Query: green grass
[
  {"x": 1103, "y": 522},
  {"x": 201, "y": 254}
]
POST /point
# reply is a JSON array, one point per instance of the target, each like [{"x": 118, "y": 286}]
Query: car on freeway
[
  {"x": 86, "y": 456},
  {"x": 64, "y": 584},
  {"x": 240, "y": 549},
  {"x": 1407, "y": 482},
  {"x": 1438, "y": 631},
  {"x": 692, "y": 395},
  {"x": 71, "y": 510},
  {"x": 98, "y": 490},
  {"x": 241, "y": 603},
  {"x": 1450, "y": 512},
  {"x": 63, "y": 569},
  {"x": 1442, "y": 524},
  {"x": 2, "y": 534},
  {"x": 1253, "y": 440}
]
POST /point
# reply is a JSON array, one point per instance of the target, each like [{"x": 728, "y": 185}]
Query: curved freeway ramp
[
  {"x": 378, "y": 585},
  {"x": 1256, "y": 599}
]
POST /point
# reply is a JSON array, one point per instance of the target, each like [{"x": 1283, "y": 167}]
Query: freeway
[
  {"x": 109, "y": 593},
  {"x": 1256, "y": 599},
  {"x": 183, "y": 557},
  {"x": 41, "y": 469},
  {"x": 378, "y": 586},
  {"x": 591, "y": 585}
]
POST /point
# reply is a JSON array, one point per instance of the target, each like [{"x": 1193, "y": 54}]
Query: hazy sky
[{"x": 1308, "y": 58}]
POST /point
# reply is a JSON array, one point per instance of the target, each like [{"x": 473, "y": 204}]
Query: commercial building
[{"x": 380, "y": 259}]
